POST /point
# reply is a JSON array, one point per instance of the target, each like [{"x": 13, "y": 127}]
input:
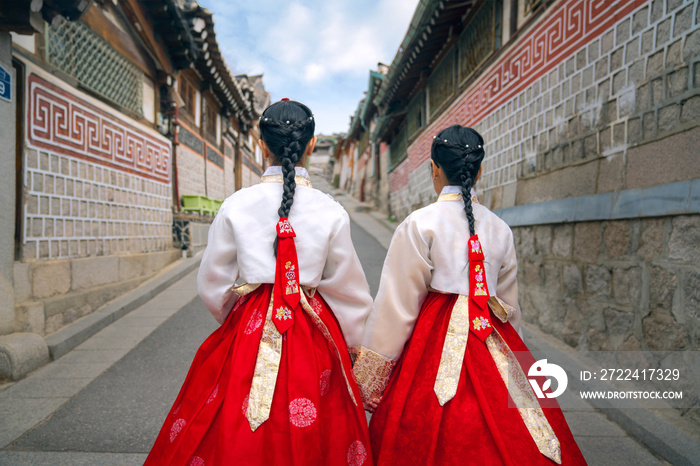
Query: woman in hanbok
[
  {"x": 445, "y": 336},
  {"x": 274, "y": 384}
]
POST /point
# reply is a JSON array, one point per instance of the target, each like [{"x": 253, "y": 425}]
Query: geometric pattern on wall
[
  {"x": 63, "y": 123},
  {"x": 569, "y": 26}
]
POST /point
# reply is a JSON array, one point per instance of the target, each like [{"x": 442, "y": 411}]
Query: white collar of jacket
[
  {"x": 277, "y": 170},
  {"x": 453, "y": 189}
]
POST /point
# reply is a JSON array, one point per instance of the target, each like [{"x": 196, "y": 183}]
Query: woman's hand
[{"x": 372, "y": 405}]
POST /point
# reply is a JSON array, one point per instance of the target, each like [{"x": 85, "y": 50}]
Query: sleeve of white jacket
[
  {"x": 507, "y": 288},
  {"x": 218, "y": 271},
  {"x": 404, "y": 285},
  {"x": 344, "y": 286}
]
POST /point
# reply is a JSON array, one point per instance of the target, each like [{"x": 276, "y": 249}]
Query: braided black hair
[
  {"x": 287, "y": 127},
  {"x": 459, "y": 151}
]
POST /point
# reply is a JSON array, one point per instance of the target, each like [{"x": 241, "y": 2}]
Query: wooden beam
[{"x": 136, "y": 14}]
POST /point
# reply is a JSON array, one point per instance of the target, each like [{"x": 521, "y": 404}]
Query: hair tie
[{"x": 284, "y": 99}]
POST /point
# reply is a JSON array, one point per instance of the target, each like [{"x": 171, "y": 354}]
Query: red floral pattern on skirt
[
  {"x": 477, "y": 426},
  {"x": 310, "y": 422}
]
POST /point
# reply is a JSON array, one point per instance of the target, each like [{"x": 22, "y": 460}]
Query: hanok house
[
  {"x": 214, "y": 116},
  {"x": 90, "y": 180},
  {"x": 367, "y": 175},
  {"x": 591, "y": 116}
]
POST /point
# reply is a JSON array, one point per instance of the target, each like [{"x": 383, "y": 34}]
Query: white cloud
[
  {"x": 315, "y": 72},
  {"x": 318, "y": 52}
]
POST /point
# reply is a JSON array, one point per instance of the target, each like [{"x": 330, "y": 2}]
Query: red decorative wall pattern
[
  {"x": 567, "y": 27},
  {"x": 63, "y": 123}
]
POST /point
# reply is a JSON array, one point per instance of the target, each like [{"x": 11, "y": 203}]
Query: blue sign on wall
[{"x": 5, "y": 84}]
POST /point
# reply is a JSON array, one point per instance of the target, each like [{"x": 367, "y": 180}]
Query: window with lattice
[
  {"x": 210, "y": 113},
  {"x": 479, "y": 39},
  {"x": 398, "y": 148},
  {"x": 77, "y": 51},
  {"x": 415, "y": 115},
  {"x": 189, "y": 96}
]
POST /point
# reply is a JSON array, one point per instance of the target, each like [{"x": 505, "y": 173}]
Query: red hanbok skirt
[
  {"x": 477, "y": 426},
  {"x": 313, "y": 419}
]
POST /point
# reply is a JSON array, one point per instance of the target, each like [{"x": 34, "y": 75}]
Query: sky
[{"x": 313, "y": 51}]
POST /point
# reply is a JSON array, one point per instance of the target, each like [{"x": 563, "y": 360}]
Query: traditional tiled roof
[{"x": 236, "y": 98}]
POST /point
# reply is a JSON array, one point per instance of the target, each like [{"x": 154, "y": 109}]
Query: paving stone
[{"x": 615, "y": 450}]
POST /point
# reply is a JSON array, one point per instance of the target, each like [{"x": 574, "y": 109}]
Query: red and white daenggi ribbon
[
  {"x": 472, "y": 314},
  {"x": 469, "y": 313},
  {"x": 479, "y": 318},
  {"x": 286, "y": 290},
  {"x": 286, "y": 295}
]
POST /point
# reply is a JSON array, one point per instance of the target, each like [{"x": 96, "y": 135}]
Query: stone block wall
[
  {"x": 229, "y": 167},
  {"x": 250, "y": 171},
  {"x": 613, "y": 285},
  {"x": 95, "y": 182},
  {"x": 631, "y": 85},
  {"x": 216, "y": 183},
  {"x": 95, "y": 212},
  {"x": 50, "y": 294},
  {"x": 74, "y": 208},
  {"x": 418, "y": 193},
  {"x": 190, "y": 171},
  {"x": 595, "y": 166}
]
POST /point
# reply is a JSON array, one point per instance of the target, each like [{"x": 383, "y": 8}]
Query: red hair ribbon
[
  {"x": 286, "y": 294},
  {"x": 479, "y": 318},
  {"x": 284, "y": 99}
]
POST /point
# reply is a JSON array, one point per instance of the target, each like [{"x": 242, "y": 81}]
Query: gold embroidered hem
[
  {"x": 523, "y": 397},
  {"x": 310, "y": 292},
  {"x": 433, "y": 290},
  {"x": 453, "y": 350},
  {"x": 267, "y": 366},
  {"x": 501, "y": 309},
  {"x": 299, "y": 180},
  {"x": 245, "y": 288},
  {"x": 372, "y": 372},
  {"x": 455, "y": 197}
]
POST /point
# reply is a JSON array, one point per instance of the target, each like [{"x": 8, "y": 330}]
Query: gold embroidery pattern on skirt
[
  {"x": 267, "y": 364},
  {"x": 453, "y": 351},
  {"x": 299, "y": 180},
  {"x": 324, "y": 330},
  {"x": 372, "y": 372},
  {"x": 267, "y": 367},
  {"x": 521, "y": 392}
]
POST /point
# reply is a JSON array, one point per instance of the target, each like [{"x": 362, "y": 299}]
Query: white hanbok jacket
[
  {"x": 241, "y": 240},
  {"x": 429, "y": 252}
]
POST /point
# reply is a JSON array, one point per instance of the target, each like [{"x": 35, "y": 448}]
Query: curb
[
  {"x": 69, "y": 337},
  {"x": 661, "y": 438}
]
